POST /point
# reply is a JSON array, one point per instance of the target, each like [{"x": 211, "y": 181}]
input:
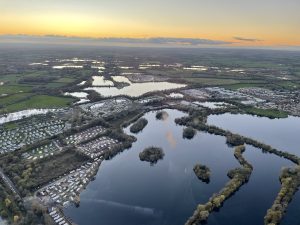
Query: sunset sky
[{"x": 243, "y": 22}]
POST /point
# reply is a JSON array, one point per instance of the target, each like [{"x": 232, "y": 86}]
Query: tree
[
  {"x": 3, "y": 214},
  {"x": 7, "y": 202},
  {"x": 203, "y": 215}
]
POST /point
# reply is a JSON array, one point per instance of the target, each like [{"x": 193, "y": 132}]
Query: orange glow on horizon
[{"x": 119, "y": 24}]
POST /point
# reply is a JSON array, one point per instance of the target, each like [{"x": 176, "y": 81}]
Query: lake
[
  {"x": 128, "y": 191},
  {"x": 135, "y": 89},
  {"x": 280, "y": 133},
  {"x": 100, "y": 81}
]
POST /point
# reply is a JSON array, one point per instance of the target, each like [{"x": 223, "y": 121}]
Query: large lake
[
  {"x": 280, "y": 133},
  {"x": 135, "y": 89},
  {"x": 128, "y": 191}
]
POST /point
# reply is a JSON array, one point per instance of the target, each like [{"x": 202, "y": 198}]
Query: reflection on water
[
  {"x": 121, "y": 79},
  {"x": 170, "y": 138},
  {"x": 280, "y": 133},
  {"x": 81, "y": 83},
  {"x": 170, "y": 187},
  {"x": 100, "y": 81},
  {"x": 249, "y": 205},
  {"x": 176, "y": 95},
  {"x": 77, "y": 94},
  {"x": 83, "y": 100},
  {"x": 212, "y": 105},
  {"x": 122, "y": 206},
  {"x": 135, "y": 89},
  {"x": 127, "y": 190},
  {"x": 67, "y": 66},
  {"x": 81, "y": 95}
]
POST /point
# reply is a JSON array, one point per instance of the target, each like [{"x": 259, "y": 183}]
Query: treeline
[{"x": 37, "y": 79}]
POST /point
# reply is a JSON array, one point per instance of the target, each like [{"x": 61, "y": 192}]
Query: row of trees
[{"x": 37, "y": 79}]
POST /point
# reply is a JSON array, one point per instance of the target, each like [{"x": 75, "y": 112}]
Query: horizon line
[{"x": 169, "y": 42}]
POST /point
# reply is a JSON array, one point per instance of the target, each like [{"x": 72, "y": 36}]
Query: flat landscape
[{"x": 89, "y": 136}]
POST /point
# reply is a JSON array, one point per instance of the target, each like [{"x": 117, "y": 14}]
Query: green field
[
  {"x": 65, "y": 80},
  {"x": 55, "y": 85},
  {"x": 40, "y": 101},
  {"x": 245, "y": 85},
  {"x": 20, "y": 94},
  {"x": 210, "y": 81},
  {"x": 13, "y": 89},
  {"x": 290, "y": 85},
  {"x": 271, "y": 113},
  {"x": 10, "y": 79},
  {"x": 13, "y": 98}
]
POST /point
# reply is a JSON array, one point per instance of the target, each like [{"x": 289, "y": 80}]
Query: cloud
[
  {"x": 247, "y": 39},
  {"x": 113, "y": 40},
  {"x": 170, "y": 40}
]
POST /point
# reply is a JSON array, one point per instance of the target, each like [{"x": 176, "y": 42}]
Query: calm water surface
[
  {"x": 280, "y": 133},
  {"x": 135, "y": 89},
  {"x": 249, "y": 205},
  {"x": 128, "y": 191}
]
